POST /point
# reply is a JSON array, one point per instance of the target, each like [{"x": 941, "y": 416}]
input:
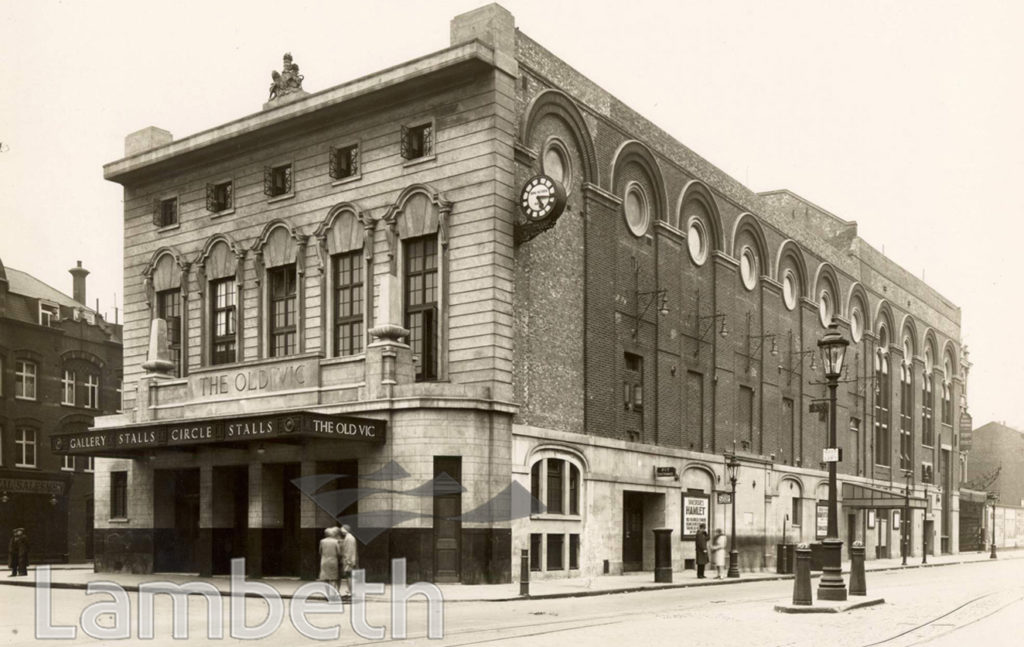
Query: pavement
[{"x": 79, "y": 576}]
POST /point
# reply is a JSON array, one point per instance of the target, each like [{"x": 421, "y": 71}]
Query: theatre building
[
  {"x": 477, "y": 276},
  {"x": 60, "y": 366}
]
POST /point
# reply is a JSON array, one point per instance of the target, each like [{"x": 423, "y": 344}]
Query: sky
[{"x": 906, "y": 116}]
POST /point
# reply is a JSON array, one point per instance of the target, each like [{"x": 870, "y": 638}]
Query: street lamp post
[
  {"x": 992, "y": 498},
  {"x": 925, "y": 535},
  {"x": 904, "y": 525},
  {"x": 831, "y": 587},
  {"x": 733, "y": 466}
]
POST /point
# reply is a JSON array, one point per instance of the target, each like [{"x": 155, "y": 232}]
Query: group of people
[
  {"x": 338, "y": 558},
  {"x": 717, "y": 549}
]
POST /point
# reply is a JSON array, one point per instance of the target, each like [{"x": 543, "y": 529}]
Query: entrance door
[
  {"x": 882, "y": 523},
  {"x": 447, "y": 508},
  {"x": 230, "y": 515},
  {"x": 89, "y": 527},
  {"x": 176, "y": 520},
  {"x": 632, "y": 531}
]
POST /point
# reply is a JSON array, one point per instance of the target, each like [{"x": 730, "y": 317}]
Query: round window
[
  {"x": 856, "y": 325},
  {"x": 556, "y": 164},
  {"x": 825, "y": 308},
  {"x": 748, "y": 268},
  {"x": 697, "y": 241},
  {"x": 789, "y": 289},
  {"x": 635, "y": 207}
]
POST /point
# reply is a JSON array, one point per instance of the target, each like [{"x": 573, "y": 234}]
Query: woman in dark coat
[
  {"x": 701, "y": 539},
  {"x": 18, "y": 553}
]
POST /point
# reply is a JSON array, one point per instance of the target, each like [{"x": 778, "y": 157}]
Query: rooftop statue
[{"x": 286, "y": 81}]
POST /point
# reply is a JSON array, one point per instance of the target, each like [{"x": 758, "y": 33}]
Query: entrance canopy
[
  {"x": 866, "y": 496},
  {"x": 292, "y": 426}
]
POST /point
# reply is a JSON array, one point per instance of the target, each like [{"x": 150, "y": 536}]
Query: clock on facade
[{"x": 542, "y": 198}]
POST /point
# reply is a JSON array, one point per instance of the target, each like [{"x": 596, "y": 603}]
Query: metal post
[
  {"x": 802, "y": 581},
  {"x": 924, "y": 532},
  {"x": 993, "y": 554},
  {"x": 524, "y": 573},
  {"x": 906, "y": 513},
  {"x": 831, "y": 586},
  {"x": 734, "y": 555},
  {"x": 858, "y": 583}
]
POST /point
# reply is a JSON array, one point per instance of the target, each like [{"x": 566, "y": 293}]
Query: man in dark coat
[
  {"x": 18, "y": 553},
  {"x": 701, "y": 539}
]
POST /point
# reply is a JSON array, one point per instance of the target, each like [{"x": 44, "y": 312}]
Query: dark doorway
[
  {"x": 230, "y": 515},
  {"x": 447, "y": 508},
  {"x": 281, "y": 543},
  {"x": 176, "y": 520},
  {"x": 90, "y": 510},
  {"x": 851, "y": 531},
  {"x": 632, "y": 531}
]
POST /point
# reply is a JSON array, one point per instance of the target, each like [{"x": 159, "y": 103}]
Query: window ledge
[
  {"x": 22, "y": 397},
  {"x": 226, "y": 212},
  {"x": 420, "y": 160},
  {"x": 281, "y": 198},
  {"x": 347, "y": 180},
  {"x": 544, "y": 516},
  {"x": 167, "y": 228},
  {"x": 67, "y": 469},
  {"x": 119, "y": 520},
  {"x": 26, "y": 466},
  {"x": 68, "y": 404}
]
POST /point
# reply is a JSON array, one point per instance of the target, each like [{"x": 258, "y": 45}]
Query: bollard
[
  {"x": 802, "y": 581},
  {"x": 524, "y": 573},
  {"x": 662, "y": 554},
  {"x": 858, "y": 583}
]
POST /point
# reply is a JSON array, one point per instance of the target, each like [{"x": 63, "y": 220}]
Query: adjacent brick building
[
  {"x": 361, "y": 256},
  {"x": 997, "y": 462},
  {"x": 60, "y": 366}
]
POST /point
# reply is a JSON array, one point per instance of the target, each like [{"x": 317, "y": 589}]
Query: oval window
[
  {"x": 856, "y": 325},
  {"x": 635, "y": 207},
  {"x": 825, "y": 308},
  {"x": 697, "y": 241},
  {"x": 556, "y": 165},
  {"x": 789, "y": 289},
  {"x": 748, "y": 268}
]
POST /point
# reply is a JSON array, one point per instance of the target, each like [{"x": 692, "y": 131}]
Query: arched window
[
  {"x": 555, "y": 486},
  {"x": 882, "y": 399}
]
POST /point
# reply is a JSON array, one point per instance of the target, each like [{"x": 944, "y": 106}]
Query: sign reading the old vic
[
  {"x": 254, "y": 380},
  {"x": 228, "y": 430}
]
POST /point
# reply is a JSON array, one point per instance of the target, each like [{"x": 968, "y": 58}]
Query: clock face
[{"x": 541, "y": 196}]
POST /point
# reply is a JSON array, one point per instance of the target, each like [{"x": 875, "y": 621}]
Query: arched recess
[
  {"x": 165, "y": 281},
  {"x": 699, "y": 477},
  {"x": 930, "y": 349},
  {"x": 949, "y": 355},
  {"x": 789, "y": 483},
  {"x": 416, "y": 226},
  {"x": 546, "y": 449},
  {"x": 562, "y": 467},
  {"x": 280, "y": 263},
  {"x": 633, "y": 153},
  {"x": 557, "y": 103},
  {"x": 345, "y": 253},
  {"x": 748, "y": 235},
  {"x": 856, "y": 308},
  {"x": 697, "y": 201},
  {"x": 883, "y": 318},
  {"x": 220, "y": 265},
  {"x": 908, "y": 329},
  {"x": 821, "y": 490},
  {"x": 790, "y": 270},
  {"x": 826, "y": 283}
]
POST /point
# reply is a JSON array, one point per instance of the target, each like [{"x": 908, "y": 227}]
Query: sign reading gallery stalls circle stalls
[
  {"x": 696, "y": 511},
  {"x": 966, "y": 429},
  {"x": 270, "y": 377},
  {"x": 299, "y": 424}
]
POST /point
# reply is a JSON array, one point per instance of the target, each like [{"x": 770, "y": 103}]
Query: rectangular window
[
  {"x": 556, "y": 544},
  {"x": 574, "y": 551},
  {"x": 633, "y": 382},
  {"x": 344, "y": 162},
  {"x": 67, "y": 384},
  {"x": 67, "y": 463},
  {"x": 556, "y": 488},
  {"x": 417, "y": 141},
  {"x": 223, "y": 320},
  {"x": 574, "y": 489},
  {"x": 165, "y": 213},
  {"x": 796, "y": 513},
  {"x": 281, "y": 282},
  {"x": 90, "y": 463},
  {"x": 745, "y": 414},
  {"x": 788, "y": 431},
  {"x": 882, "y": 399},
  {"x": 168, "y": 308},
  {"x": 927, "y": 474},
  {"x": 536, "y": 546},
  {"x": 277, "y": 180},
  {"x": 118, "y": 495},
  {"x": 535, "y": 480},
  {"x": 348, "y": 304},
  {"x": 120, "y": 395},
  {"x": 49, "y": 314},
  {"x": 694, "y": 431},
  {"x": 927, "y": 420},
  {"x": 906, "y": 419},
  {"x": 25, "y": 447},
  {"x": 855, "y": 443},
  {"x": 24, "y": 380},
  {"x": 220, "y": 197},
  {"x": 947, "y": 403},
  {"x": 92, "y": 391},
  {"x": 421, "y": 305}
]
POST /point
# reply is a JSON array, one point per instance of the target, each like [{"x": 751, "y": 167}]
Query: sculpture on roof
[{"x": 286, "y": 81}]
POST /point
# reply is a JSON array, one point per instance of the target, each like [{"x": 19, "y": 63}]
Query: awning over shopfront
[
  {"x": 856, "y": 495},
  {"x": 293, "y": 426}
]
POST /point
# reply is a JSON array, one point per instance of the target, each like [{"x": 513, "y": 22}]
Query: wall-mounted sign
[
  {"x": 286, "y": 375},
  {"x": 832, "y": 455},
  {"x": 724, "y": 498},
  {"x": 696, "y": 511},
  {"x": 966, "y": 429},
  {"x": 665, "y": 472},
  {"x": 821, "y": 518},
  {"x": 32, "y": 486},
  {"x": 871, "y": 518}
]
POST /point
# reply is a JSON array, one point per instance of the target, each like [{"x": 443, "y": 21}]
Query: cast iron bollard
[
  {"x": 802, "y": 581},
  {"x": 858, "y": 583},
  {"x": 524, "y": 573},
  {"x": 662, "y": 554}
]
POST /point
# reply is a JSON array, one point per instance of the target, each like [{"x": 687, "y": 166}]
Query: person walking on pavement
[
  {"x": 17, "y": 552},
  {"x": 701, "y": 539},
  {"x": 349, "y": 558},
  {"x": 330, "y": 558},
  {"x": 718, "y": 547}
]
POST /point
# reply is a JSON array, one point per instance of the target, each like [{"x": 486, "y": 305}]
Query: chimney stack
[{"x": 78, "y": 276}]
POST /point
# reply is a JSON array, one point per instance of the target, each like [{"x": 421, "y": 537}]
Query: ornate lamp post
[
  {"x": 905, "y": 520},
  {"x": 926, "y": 536},
  {"x": 831, "y": 587},
  {"x": 992, "y": 498},
  {"x": 732, "y": 467}
]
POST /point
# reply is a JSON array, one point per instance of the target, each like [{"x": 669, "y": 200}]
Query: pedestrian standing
[
  {"x": 330, "y": 558},
  {"x": 17, "y": 551},
  {"x": 701, "y": 539},
  {"x": 718, "y": 546},
  {"x": 349, "y": 558}
]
